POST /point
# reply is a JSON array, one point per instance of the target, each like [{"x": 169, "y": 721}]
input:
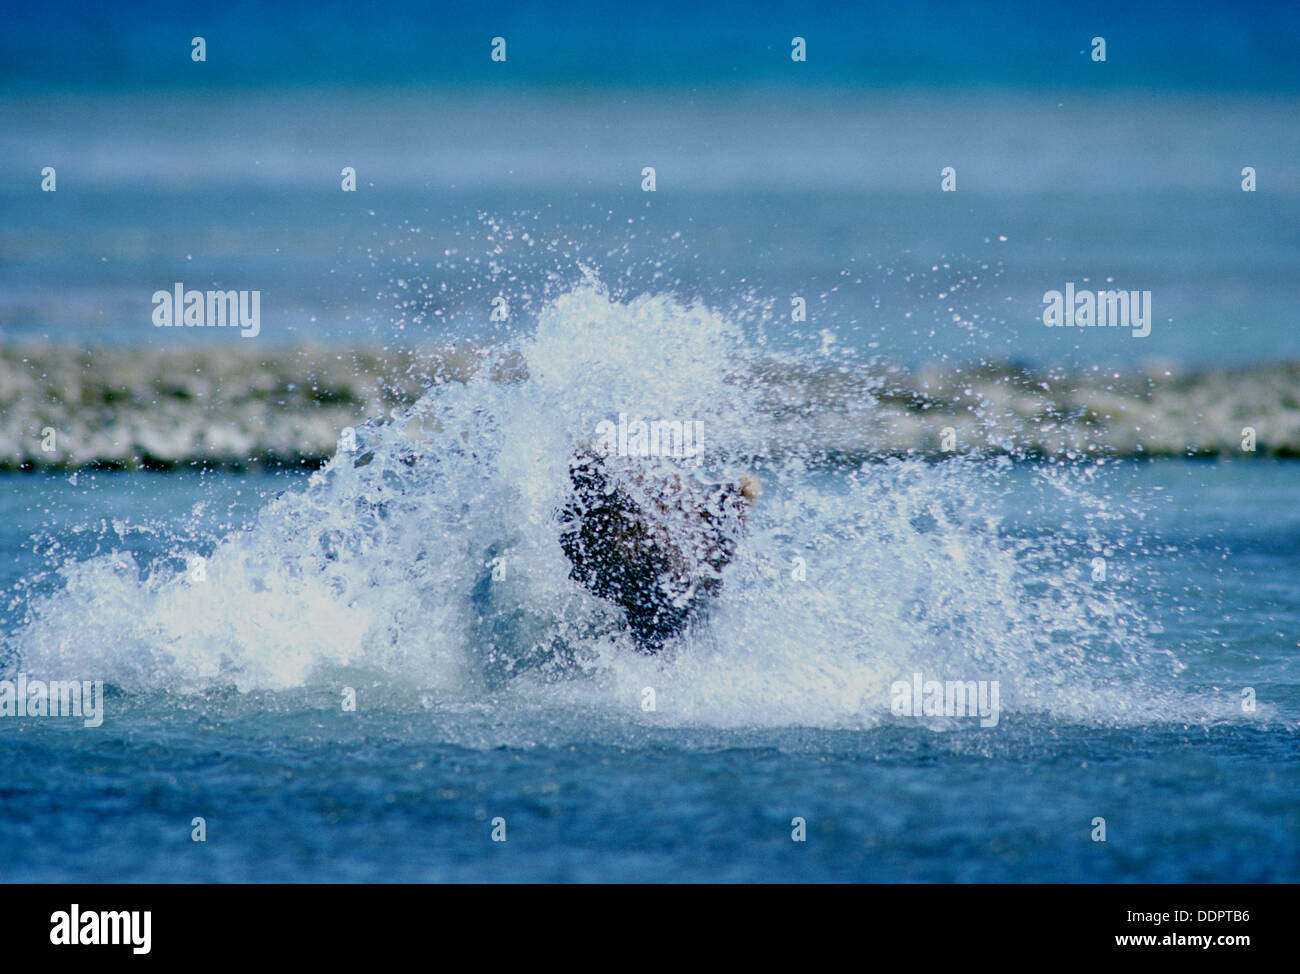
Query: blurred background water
[{"x": 774, "y": 178}]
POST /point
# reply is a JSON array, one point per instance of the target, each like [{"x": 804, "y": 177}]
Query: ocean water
[
  {"x": 761, "y": 195},
  {"x": 368, "y": 663},
  {"x": 519, "y": 697}
]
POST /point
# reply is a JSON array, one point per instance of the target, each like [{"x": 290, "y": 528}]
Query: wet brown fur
[{"x": 653, "y": 543}]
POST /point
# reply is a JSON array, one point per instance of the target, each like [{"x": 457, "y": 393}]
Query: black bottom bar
[{"x": 933, "y": 924}]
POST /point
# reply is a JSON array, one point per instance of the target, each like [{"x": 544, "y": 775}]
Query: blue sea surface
[
  {"x": 832, "y": 195},
  {"x": 294, "y": 788}
]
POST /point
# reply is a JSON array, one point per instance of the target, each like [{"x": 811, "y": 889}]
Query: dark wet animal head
[{"x": 654, "y": 543}]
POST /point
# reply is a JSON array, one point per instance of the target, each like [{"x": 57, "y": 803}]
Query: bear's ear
[{"x": 750, "y": 487}]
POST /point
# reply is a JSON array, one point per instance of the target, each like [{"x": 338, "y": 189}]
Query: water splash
[{"x": 424, "y": 558}]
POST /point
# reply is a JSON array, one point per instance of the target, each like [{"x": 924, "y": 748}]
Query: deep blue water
[{"x": 1188, "y": 46}]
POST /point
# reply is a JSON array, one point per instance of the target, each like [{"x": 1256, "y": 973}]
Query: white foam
[{"x": 385, "y": 567}]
